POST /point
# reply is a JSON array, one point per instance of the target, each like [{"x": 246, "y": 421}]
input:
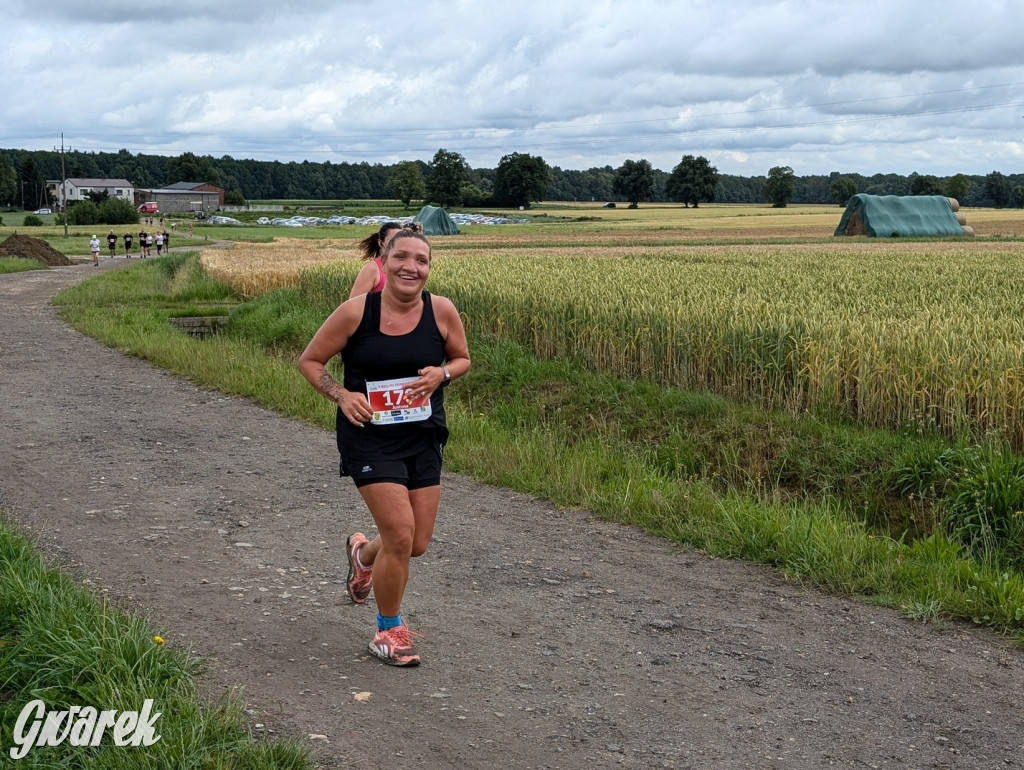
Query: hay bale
[
  {"x": 855, "y": 226},
  {"x": 968, "y": 230},
  {"x": 954, "y": 204},
  {"x": 961, "y": 218},
  {"x": 32, "y": 248}
]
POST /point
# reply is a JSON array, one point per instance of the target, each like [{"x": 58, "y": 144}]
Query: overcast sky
[{"x": 891, "y": 86}]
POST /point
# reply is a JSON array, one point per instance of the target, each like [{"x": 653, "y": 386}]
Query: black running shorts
[{"x": 415, "y": 472}]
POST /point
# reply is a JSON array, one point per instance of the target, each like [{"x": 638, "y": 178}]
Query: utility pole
[{"x": 63, "y": 186}]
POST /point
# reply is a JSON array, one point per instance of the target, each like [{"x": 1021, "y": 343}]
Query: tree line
[{"x": 518, "y": 180}]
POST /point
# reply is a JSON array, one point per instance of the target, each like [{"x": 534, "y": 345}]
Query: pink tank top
[{"x": 382, "y": 278}]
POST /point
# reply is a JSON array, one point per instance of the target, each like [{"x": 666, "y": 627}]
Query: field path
[{"x": 551, "y": 639}]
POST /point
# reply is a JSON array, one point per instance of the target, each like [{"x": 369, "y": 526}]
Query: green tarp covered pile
[
  {"x": 436, "y": 221},
  {"x": 886, "y": 216}
]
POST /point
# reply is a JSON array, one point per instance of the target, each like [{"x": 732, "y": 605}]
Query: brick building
[{"x": 182, "y": 197}]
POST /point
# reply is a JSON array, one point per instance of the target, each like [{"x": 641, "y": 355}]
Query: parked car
[
  {"x": 152, "y": 207},
  {"x": 42, "y": 211}
]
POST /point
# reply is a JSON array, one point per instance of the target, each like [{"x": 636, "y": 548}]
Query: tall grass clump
[
  {"x": 979, "y": 491},
  {"x": 61, "y": 644}
]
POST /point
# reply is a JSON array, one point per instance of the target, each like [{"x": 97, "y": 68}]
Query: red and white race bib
[{"x": 392, "y": 401}]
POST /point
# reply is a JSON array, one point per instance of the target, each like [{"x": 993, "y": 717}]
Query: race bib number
[{"x": 392, "y": 401}]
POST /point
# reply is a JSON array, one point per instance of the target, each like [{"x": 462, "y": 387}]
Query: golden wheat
[
  {"x": 252, "y": 269},
  {"x": 888, "y": 333}
]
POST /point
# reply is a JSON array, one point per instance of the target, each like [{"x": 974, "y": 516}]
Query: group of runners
[{"x": 161, "y": 240}]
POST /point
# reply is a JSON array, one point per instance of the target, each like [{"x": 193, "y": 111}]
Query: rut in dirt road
[{"x": 551, "y": 639}]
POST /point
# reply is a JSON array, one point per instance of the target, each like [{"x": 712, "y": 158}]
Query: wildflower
[{"x": 159, "y": 640}]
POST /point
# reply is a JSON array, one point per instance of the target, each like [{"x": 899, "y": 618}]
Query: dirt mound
[{"x": 32, "y": 248}]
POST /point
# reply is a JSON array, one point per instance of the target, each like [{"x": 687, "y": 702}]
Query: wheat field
[{"x": 887, "y": 332}]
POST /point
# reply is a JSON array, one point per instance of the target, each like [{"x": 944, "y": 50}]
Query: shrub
[
  {"x": 112, "y": 211},
  {"x": 115, "y": 211},
  {"x": 31, "y": 220},
  {"x": 471, "y": 195},
  {"x": 83, "y": 213}
]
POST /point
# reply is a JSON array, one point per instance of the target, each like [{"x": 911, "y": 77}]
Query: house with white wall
[{"x": 79, "y": 189}]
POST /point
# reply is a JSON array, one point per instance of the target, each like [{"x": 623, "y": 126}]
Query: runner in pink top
[
  {"x": 371, "y": 277},
  {"x": 383, "y": 277}
]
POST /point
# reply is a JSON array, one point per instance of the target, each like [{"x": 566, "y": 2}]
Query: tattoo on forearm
[{"x": 329, "y": 386}]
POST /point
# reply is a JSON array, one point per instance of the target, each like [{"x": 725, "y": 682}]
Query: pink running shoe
[
  {"x": 395, "y": 647},
  {"x": 360, "y": 579}
]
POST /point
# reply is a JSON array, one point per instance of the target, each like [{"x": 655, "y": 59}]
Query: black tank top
[{"x": 371, "y": 355}]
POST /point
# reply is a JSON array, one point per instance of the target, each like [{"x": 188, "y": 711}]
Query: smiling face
[{"x": 407, "y": 263}]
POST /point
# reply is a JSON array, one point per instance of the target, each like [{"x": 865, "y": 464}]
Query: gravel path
[{"x": 551, "y": 639}]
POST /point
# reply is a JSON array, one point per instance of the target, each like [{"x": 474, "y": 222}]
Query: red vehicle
[{"x": 149, "y": 208}]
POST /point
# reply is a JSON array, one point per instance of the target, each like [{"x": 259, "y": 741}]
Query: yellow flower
[{"x": 159, "y": 640}]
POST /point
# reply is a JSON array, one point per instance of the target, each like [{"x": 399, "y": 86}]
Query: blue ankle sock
[{"x": 383, "y": 623}]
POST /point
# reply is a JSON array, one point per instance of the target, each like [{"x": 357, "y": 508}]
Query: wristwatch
[{"x": 447, "y": 375}]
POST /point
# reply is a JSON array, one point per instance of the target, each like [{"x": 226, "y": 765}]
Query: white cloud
[{"x": 933, "y": 87}]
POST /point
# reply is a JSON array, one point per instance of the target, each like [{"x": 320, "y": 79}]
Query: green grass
[
  {"x": 853, "y": 510},
  {"x": 62, "y": 644},
  {"x": 19, "y": 265}
]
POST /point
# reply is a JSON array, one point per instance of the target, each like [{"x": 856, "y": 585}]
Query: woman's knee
[
  {"x": 400, "y": 541},
  {"x": 419, "y": 548}
]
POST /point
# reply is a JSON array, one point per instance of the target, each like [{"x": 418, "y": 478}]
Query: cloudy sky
[{"x": 872, "y": 86}]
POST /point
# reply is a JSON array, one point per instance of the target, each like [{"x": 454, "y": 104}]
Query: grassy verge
[
  {"x": 19, "y": 265},
  {"x": 61, "y": 644},
  {"x": 860, "y": 512}
]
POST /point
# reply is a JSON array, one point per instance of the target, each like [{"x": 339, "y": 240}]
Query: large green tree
[
  {"x": 958, "y": 186},
  {"x": 634, "y": 181},
  {"x": 693, "y": 180},
  {"x": 998, "y": 189},
  {"x": 842, "y": 189},
  {"x": 780, "y": 186},
  {"x": 8, "y": 183},
  {"x": 925, "y": 184},
  {"x": 521, "y": 178},
  {"x": 188, "y": 167},
  {"x": 406, "y": 182},
  {"x": 446, "y": 173}
]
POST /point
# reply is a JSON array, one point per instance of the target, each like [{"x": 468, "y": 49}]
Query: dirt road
[{"x": 551, "y": 639}]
